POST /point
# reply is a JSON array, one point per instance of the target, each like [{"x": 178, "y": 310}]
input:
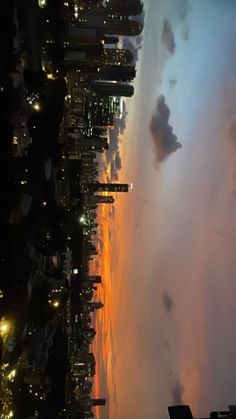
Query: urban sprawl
[{"x": 63, "y": 73}]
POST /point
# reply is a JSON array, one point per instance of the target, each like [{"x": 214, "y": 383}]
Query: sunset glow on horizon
[{"x": 167, "y": 261}]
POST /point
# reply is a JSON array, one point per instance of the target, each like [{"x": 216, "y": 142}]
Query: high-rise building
[
  {"x": 96, "y": 279},
  {"x": 96, "y": 54},
  {"x": 117, "y": 73},
  {"x": 93, "y": 306},
  {"x": 117, "y": 56},
  {"x": 108, "y": 72},
  {"x": 98, "y": 402},
  {"x": 75, "y": 148},
  {"x": 76, "y": 36},
  {"x": 110, "y": 187},
  {"x": 124, "y": 8},
  {"x": 103, "y": 88},
  {"x": 109, "y": 25},
  {"x": 102, "y": 199},
  {"x": 116, "y": 7}
]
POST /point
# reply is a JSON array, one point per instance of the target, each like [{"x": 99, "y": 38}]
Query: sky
[{"x": 167, "y": 332}]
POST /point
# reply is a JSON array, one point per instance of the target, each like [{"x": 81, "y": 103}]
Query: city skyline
[
  {"x": 189, "y": 197},
  {"x": 118, "y": 209}
]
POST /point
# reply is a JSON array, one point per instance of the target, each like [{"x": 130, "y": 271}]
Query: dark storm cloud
[
  {"x": 165, "y": 141},
  {"x": 168, "y": 302},
  {"x": 177, "y": 390},
  {"x": 167, "y": 37}
]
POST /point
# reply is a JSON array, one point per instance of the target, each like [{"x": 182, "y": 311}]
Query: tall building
[
  {"x": 109, "y": 25},
  {"x": 93, "y": 306},
  {"x": 96, "y": 279},
  {"x": 102, "y": 199},
  {"x": 117, "y": 73},
  {"x": 110, "y": 187},
  {"x": 76, "y": 36},
  {"x": 108, "y": 72},
  {"x": 75, "y": 148},
  {"x": 103, "y": 88},
  {"x": 124, "y": 8},
  {"x": 98, "y": 402},
  {"x": 117, "y": 56},
  {"x": 96, "y": 54}
]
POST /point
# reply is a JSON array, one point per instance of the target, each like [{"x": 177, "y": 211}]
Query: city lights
[
  {"x": 51, "y": 76},
  {"x": 82, "y": 219},
  {"x": 42, "y": 3},
  {"x": 36, "y": 106},
  {"x": 54, "y": 303},
  {"x": 5, "y": 327},
  {"x": 11, "y": 375},
  {"x": 68, "y": 121}
]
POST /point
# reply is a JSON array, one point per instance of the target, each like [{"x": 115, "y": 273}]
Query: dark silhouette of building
[
  {"x": 184, "y": 412},
  {"x": 98, "y": 402},
  {"x": 104, "y": 88},
  {"x": 124, "y": 8},
  {"x": 96, "y": 279},
  {"x": 180, "y": 412}
]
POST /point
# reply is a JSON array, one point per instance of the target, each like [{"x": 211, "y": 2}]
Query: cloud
[
  {"x": 168, "y": 302},
  {"x": 177, "y": 390},
  {"x": 167, "y": 37},
  {"x": 165, "y": 141},
  {"x": 183, "y": 7},
  {"x": 114, "y": 174},
  {"x": 116, "y": 165},
  {"x": 118, "y": 162}
]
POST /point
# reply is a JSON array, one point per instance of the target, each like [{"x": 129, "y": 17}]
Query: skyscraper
[
  {"x": 103, "y": 88},
  {"x": 98, "y": 402},
  {"x": 117, "y": 56},
  {"x": 124, "y": 8},
  {"x": 102, "y": 199},
  {"x": 110, "y": 187},
  {"x": 105, "y": 72},
  {"x": 96, "y": 279},
  {"x": 109, "y": 25}
]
